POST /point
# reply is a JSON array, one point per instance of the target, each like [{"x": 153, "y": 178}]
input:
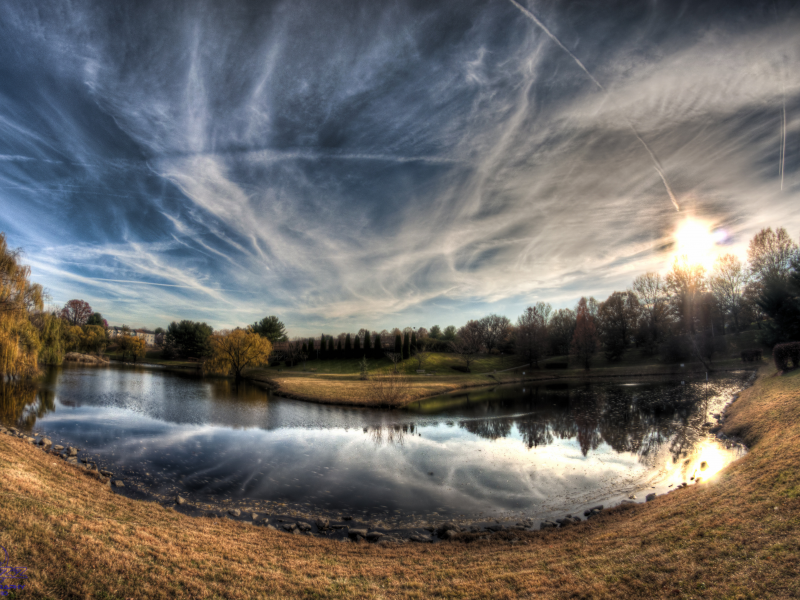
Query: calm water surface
[{"x": 535, "y": 450}]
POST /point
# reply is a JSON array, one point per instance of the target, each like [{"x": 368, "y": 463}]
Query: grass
[
  {"x": 338, "y": 381},
  {"x": 736, "y": 536}
]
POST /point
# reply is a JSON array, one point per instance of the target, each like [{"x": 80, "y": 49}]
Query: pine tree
[
  {"x": 406, "y": 347},
  {"x": 398, "y": 344},
  {"x": 339, "y": 346},
  {"x": 305, "y": 348},
  {"x": 357, "y": 344},
  {"x": 348, "y": 346},
  {"x": 311, "y": 348},
  {"x": 367, "y": 345},
  {"x": 377, "y": 346},
  {"x": 330, "y": 344},
  {"x": 414, "y": 341}
]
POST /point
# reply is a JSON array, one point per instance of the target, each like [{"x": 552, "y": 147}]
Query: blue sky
[{"x": 381, "y": 164}]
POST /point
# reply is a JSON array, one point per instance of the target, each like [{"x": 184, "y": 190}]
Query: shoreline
[{"x": 275, "y": 387}]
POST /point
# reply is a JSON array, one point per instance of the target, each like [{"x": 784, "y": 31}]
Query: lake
[{"x": 512, "y": 451}]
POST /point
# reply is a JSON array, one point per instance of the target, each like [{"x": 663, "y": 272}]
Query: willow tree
[
  {"x": 234, "y": 351},
  {"x": 19, "y": 339}
]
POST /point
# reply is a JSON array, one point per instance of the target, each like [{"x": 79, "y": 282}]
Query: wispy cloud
[{"x": 396, "y": 165}]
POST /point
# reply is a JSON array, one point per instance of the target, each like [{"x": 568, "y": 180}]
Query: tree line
[{"x": 678, "y": 315}]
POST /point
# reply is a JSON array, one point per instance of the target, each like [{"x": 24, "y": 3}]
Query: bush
[
  {"x": 461, "y": 369},
  {"x": 751, "y": 355},
  {"x": 556, "y": 365},
  {"x": 783, "y": 353}
]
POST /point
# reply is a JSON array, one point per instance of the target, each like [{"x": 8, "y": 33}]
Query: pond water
[{"x": 540, "y": 450}]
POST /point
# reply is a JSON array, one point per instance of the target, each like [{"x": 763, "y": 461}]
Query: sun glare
[{"x": 697, "y": 242}]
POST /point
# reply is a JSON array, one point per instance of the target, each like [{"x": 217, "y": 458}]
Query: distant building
[{"x": 149, "y": 337}]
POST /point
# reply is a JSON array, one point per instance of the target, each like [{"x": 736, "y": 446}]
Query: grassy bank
[
  {"x": 338, "y": 381},
  {"x": 735, "y": 536}
]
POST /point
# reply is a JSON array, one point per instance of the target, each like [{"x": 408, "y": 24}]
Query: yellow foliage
[
  {"x": 131, "y": 346},
  {"x": 234, "y": 351},
  {"x": 19, "y": 339}
]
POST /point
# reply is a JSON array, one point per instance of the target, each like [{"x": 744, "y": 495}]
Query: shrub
[
  {"x": 556, "y": 365},
  {"x": 751, "y": 355},
  {"x": 461, "y": 369},
  {"x": 782, "y": 354}
]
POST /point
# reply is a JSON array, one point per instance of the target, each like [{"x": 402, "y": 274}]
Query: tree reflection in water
[
  {"x": 641, "y": 420},
  {"x": 21, "y": 403}
]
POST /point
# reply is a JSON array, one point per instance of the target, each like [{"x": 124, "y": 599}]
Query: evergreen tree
[
  {"x": 367, "y": 345},
  {"x": 406, "y": 347},
  {"x": 398, "y": 344},
  {"x": 330, "y": 344},
  {"x": 311, "y": 353},
  {"x": 348, "y": 346},
  {"x": 305, "y": 348},
  {"x": 377, "y": 346},
  {"x": 357, "y": 344},
  {"x": 414, "y": 341},
  {"x": 339, "y": 347}
]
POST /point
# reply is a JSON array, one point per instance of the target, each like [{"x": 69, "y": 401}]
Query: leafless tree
[
  {"x": 389, "y": 389},
  {"x": 728, "y": 282},
  {"x": 468, "y": 342},
  {"x": 494, "y": 331},
  {"x": 395, "y": 357},
  {"x": 532, "y": 332}
]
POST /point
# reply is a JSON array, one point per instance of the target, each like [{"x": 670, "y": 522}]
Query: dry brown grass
[
  {"x": 349, "y": 389},
  {"x": 722, "y": 539}
]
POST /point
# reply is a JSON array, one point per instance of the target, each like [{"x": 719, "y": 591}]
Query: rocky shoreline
[{"x": 346, "y": 530}]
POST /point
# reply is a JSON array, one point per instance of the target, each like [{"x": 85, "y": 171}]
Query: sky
[{"x": 385, "y": 164}]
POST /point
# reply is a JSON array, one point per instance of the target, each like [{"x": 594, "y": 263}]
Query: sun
[{"x": 696, "y": 240}]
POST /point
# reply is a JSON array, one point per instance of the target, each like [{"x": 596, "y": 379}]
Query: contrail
[
  {"x": 783, "y": 141},
  {"x": 656, "y": 163}
]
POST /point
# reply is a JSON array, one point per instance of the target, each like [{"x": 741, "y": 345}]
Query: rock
[
  {"x": 45, "y": 442},
  {"x": 272, "y": 527},
  {"x": 447, "y": 527},
  {"x": 594, "y": 509},
  {"x": 303, "y": 526},
  {"x": 650, "y": 497},
  {"x": 374, "y": 536},
  {"x": 235, "y": 512},
  {"x": 118, "y": 483},
  {"x": 448, "y": 535},
  {"x": 422, "y": 539},
  {"x": 495, "y": 527},
  {"x": 72, "y": 451},
  {"x": 323, "y": 524},
  {"x": 106, "y": 473},
  {"x": 357, "y": 533},
  {"x": 30, "y": 440},
  {"x": 632, "y": 497},
  {"x": 181, "y": 501},
  {"x": 211, "y": 515},
  {"x": 296, "y": 532},
  {"x": 290, "y": 526},
  {"x": 254, "y": 516},
  {"x": 547, "y": 525},
  {"x": 58, "y": 448}
]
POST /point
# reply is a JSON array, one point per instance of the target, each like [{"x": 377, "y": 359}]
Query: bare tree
[
  {"x": 494, "y": 331},
  {"x": 728, "y": 282},
  {"x": 532, "y": 332},
  {"x": 468, "y": 342},
  {"x": 390, "y": 389},
  {"x": 650, "y": 289},
  {"x": 395, "y": 357},
  {"x": 771, "y": 253},
  {"x": 294, "y": 352},
  {"x": 420, "y": 355}
]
